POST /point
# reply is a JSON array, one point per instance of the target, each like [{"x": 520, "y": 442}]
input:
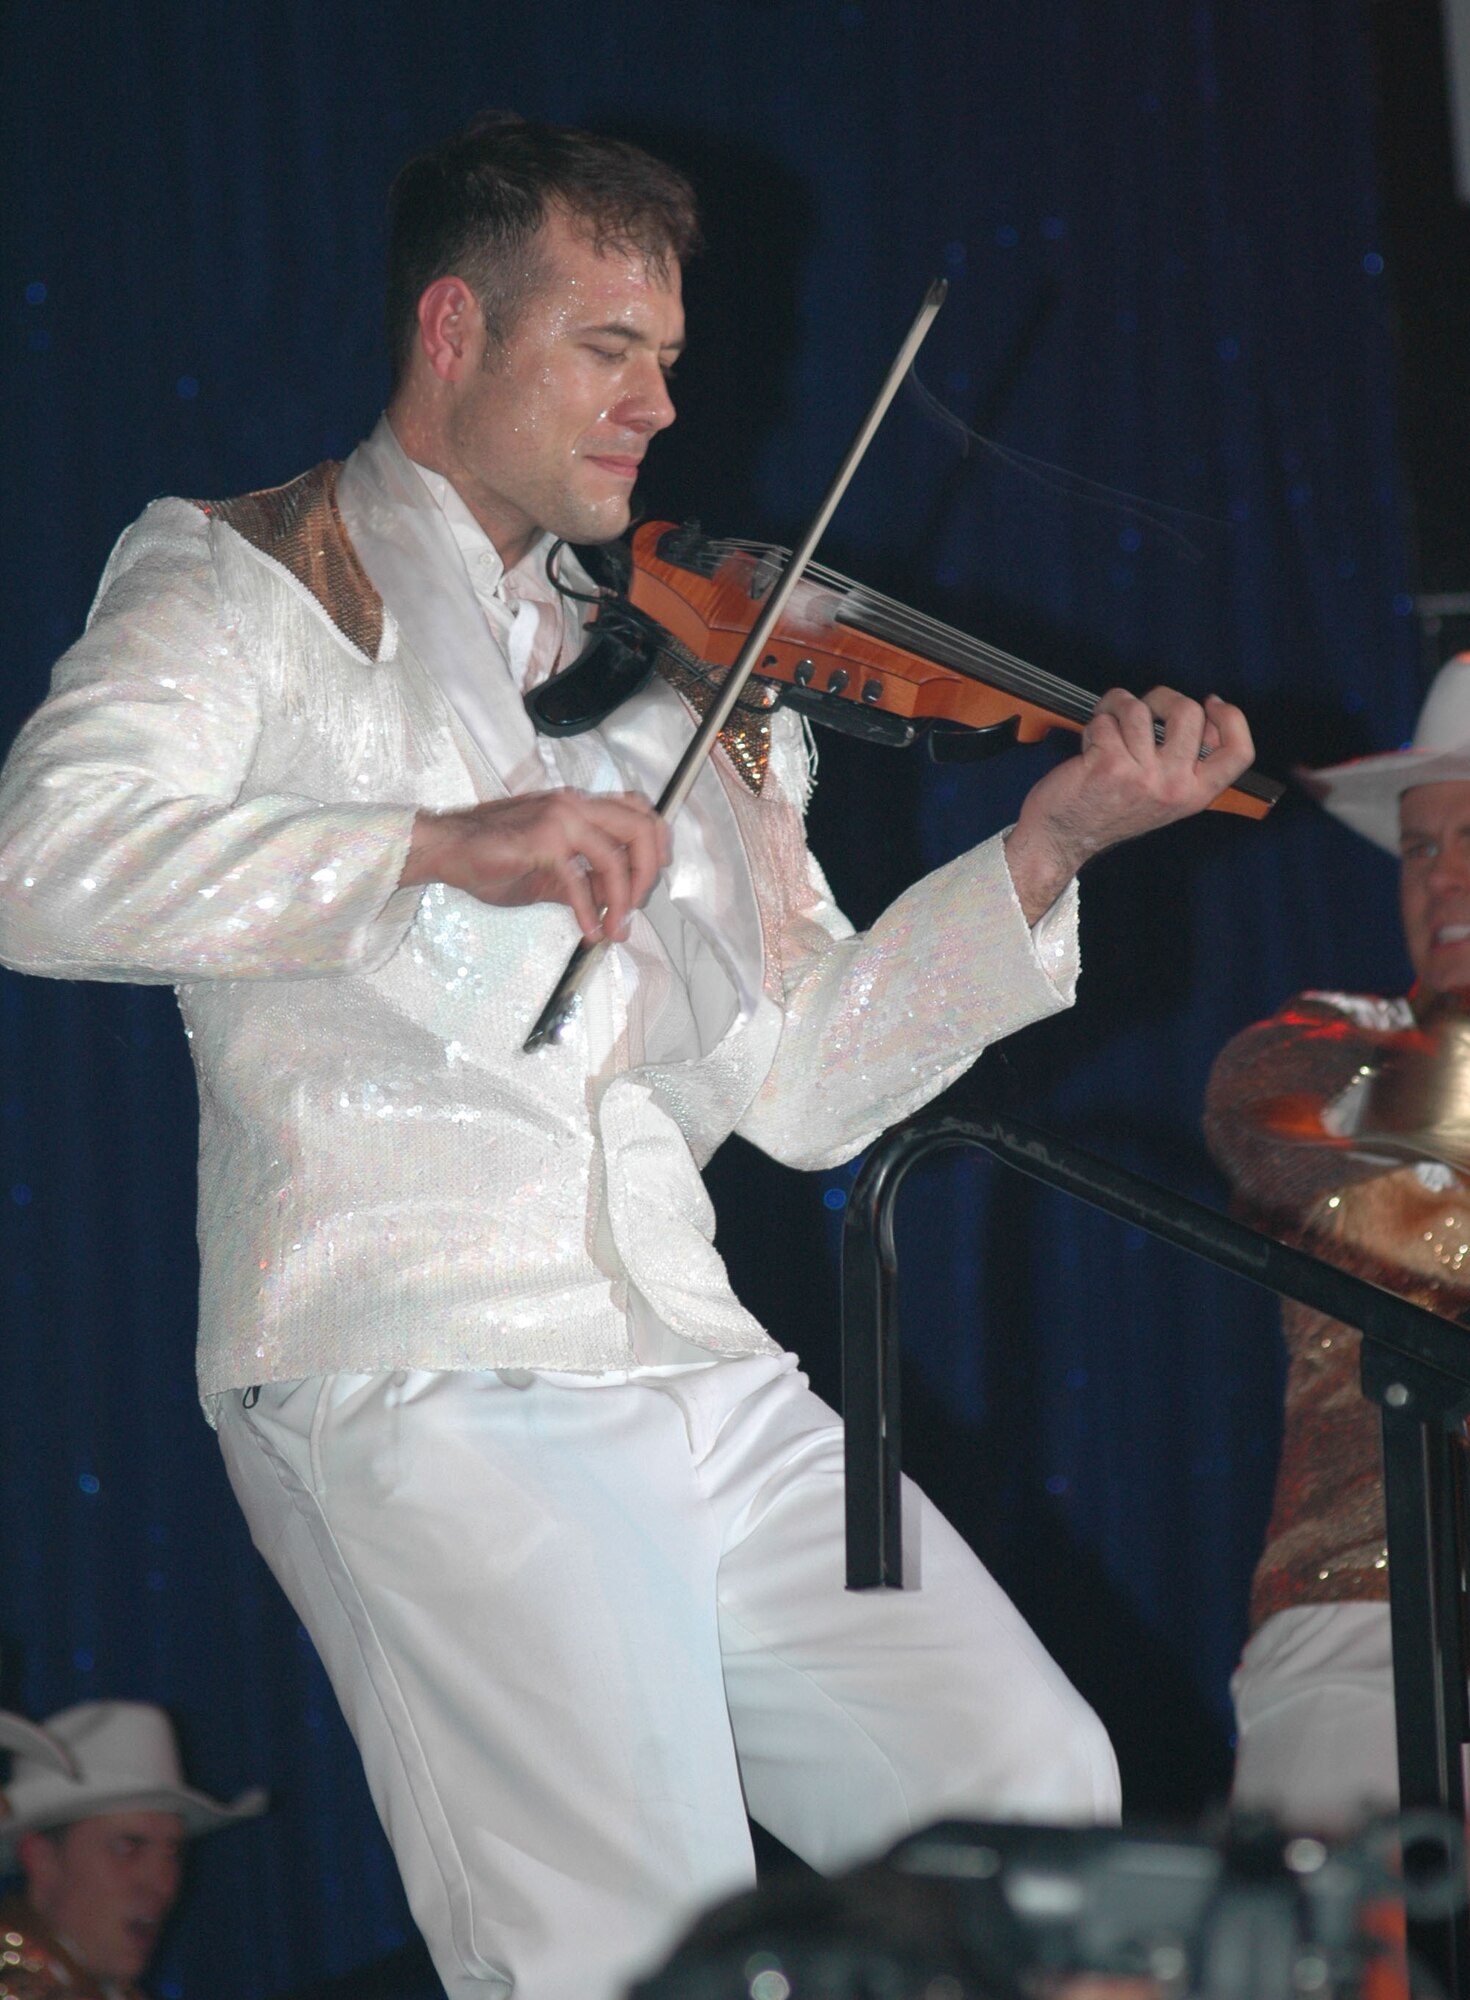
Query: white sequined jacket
[{"x": 219, "y": 792}]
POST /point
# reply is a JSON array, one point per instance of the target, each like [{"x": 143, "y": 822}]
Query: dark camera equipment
[{"x": 968, "y": 1911}]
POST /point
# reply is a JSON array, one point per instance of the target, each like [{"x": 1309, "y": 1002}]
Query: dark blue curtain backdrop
[{"x": 1159, "y": 222}]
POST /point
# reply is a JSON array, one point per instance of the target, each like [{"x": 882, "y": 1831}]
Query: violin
[
  {"x": 844, "y": 655},
  {"x": 758, "y": 625}
]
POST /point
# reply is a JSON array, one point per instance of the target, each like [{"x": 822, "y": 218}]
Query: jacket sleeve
[
  {"x": 1269, "y": 1092},
  {"x": 128, "y": 848},
  {"x": 878, "y": 1023}
]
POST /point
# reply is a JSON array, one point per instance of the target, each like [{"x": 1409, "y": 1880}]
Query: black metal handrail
[{"x": 1415, "y": 1366}]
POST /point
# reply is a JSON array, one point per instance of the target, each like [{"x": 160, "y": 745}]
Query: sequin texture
[
  {"x": 298, "y": 526},
  {"x": 745, "y": 738}
]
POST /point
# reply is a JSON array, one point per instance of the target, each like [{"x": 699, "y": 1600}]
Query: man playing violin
[{"x": 564, "y": 1522}]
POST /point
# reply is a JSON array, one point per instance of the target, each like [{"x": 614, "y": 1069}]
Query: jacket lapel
[
  {"x": 408, "y": 551},
  {"x": 708, "y": 877}
]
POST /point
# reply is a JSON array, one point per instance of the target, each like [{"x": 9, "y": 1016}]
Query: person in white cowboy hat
[
  {"x": 97, "y": 1814},
  {"x": 1344, "y": 1125}
]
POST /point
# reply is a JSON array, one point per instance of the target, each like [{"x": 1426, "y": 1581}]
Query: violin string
[
  {"x": 931, "y": 637},
  {"x": 941, "y": 642}
]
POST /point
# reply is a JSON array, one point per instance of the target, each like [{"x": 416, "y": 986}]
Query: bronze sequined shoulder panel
[
  {"x": 745, "y": 738},
  {"x": 298, "y": 526}
]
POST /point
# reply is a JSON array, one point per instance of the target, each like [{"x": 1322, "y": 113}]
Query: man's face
[
  {"x": 106, "y": 1885},
  {"x": 548, "y": 431},
  {"x": 1434, "y": 882}
]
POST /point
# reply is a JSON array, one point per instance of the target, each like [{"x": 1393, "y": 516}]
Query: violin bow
[{"x": 562, "y": 1006}]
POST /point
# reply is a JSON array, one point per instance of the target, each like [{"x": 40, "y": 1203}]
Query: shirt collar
[{"x": 482, "y": 561}]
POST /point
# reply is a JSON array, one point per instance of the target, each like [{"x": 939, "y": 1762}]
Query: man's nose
[
  {"x": 159, "y": 1878},
  {"x": 647, "y": 407}
]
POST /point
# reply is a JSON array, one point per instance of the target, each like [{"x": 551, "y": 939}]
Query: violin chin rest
[{"x": 613, "y": 665}]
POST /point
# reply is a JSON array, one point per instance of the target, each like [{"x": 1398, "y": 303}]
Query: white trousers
[
  {"x": 1316, "y": 1742},
  {"x": 577, "y": 1631}
]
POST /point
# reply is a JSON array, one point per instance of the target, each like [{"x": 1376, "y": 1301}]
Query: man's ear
[{"x": 451, "y": 329}]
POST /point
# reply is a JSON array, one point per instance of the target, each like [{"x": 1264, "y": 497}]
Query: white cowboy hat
[
  {"x": 1365, "y": 794},
  {"x": 30, "y": 1740},
  {"x": 126, "y": 1760}
]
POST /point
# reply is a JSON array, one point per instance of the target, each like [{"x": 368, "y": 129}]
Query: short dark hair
[{"x": 473, "y": 206}]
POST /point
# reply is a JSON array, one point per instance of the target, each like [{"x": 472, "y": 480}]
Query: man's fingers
[
  {"x": 609, "y": 877},
  {"x": 625, "y": 845},
  {"x": 1130, "y": 719},
  {"x": 600, "y": 855},
  {"x": 621, "y": 844},
  {"x": 576, "y": 892},
  {"x": 1232, "y": 734},
  {"x": 1183, "y": 741},
  {"x": 1178, "y": 733},
  {"x": 1212, "y": 739},
  {"x": 1222, "y": 725}
]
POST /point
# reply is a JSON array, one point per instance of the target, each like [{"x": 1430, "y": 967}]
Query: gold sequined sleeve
[
  {"x": 1263, "y": 1109},
  {"x": 131, "y": 846},
  {"x": 1373, "y": 1216}
]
